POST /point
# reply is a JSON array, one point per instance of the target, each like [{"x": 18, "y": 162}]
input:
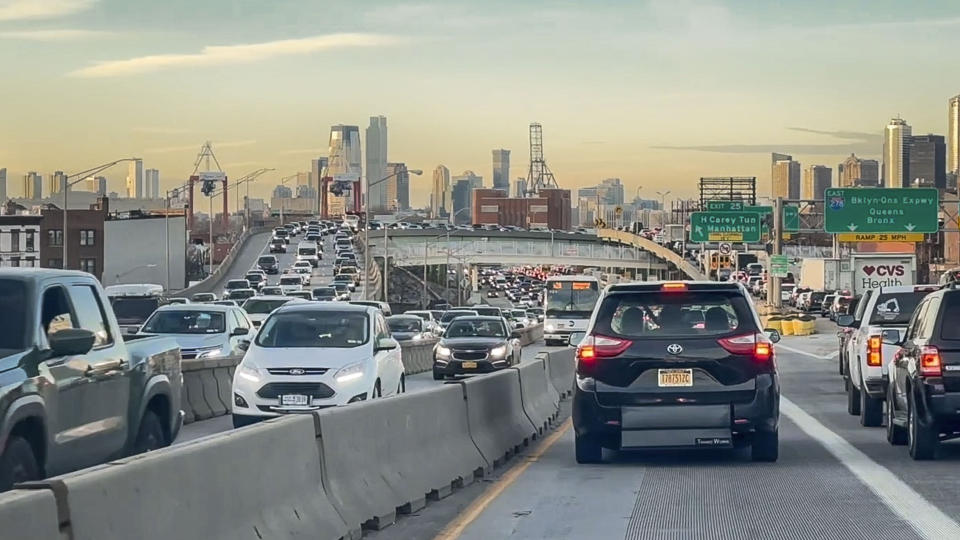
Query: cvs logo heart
[{"x": 868, "y": 270}]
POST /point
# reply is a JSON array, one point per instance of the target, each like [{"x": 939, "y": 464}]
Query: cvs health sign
[{"x": 871, "y": 273}]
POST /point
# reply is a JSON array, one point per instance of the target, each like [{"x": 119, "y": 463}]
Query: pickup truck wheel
[
  {"x": 853, "y": 399},
  {"x": 765, "y": 446},
  {"x": 871, "y": 411},
  {"x": 896, "y": 435},
  {"x": 17, "y": 464},
  {"x": 922, "y": 440},
  {"x": 150, "y": 437},
  {"x": 437, "y": 376},
  {"x": 588, "y": 450}
]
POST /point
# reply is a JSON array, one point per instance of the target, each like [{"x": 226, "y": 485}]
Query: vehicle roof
[
  {"x": 194, "y": 307},
  {"x": 643, "y": 286},
  {"x": 583, "y": 277},
  {"x": 907, "y": 288},
  {"x": 404, "y": 316},
  {"x": 480, "y": 318},
  {"x": 236, "y": 279},
  {"x": 268, "y": 297},
  {"x": 25, "y": 274},
  {"x": 325, "y": 306}
]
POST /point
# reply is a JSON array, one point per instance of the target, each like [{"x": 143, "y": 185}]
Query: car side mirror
[
  {"x": 772, "y": 335},
  {"x": 515, "y": 335},
  {"x": 891, "y": 337},
  {"x": 576, "y": 338},
  {"x": 240, "y": 331},
  {"x": 71, "y": 341},
  {"x": 386, "y": 344},
  {"x": 845, "y": 320}
]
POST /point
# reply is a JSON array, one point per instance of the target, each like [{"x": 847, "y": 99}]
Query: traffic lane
[
  {"x": 210, "y": 426},
  {"x": 246, "y": 258},
  {"x": 815, "y": 385},
  {"x": 424, "y": 381}
]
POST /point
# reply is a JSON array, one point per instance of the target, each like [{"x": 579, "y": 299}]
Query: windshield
[
  {"x": 320, "y": 329},
  {"x": 238, "y": 284},
  {"x": 465, "y": 327},
  {"x": 488, "y": 312},
  {"x": 291, "y": 281},
  {"x": 257, "y": 306},
  {"x": 656, "y": 315},
  {"x": 571, "y": 299},
  {"x": 13, "y": 317},
  {"x": 267, "y": 260},
  {"x": 895, "y": 308},
  {"x": 185, "y": 322},
  {"x": 422, "y": 314},
  {"x": 451, "y": 315},
  {"x": 133, "y": 310},
  {"x": 518, "y": 313},
  {"x": 307, "y": 251},
  {"x": 255, "y": 278},
  {"x": 405, "y": 324}
]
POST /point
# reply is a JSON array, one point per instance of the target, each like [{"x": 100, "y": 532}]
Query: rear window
[
  {"x": 291, "y": 281},
  {"x": 896, "y": 308},
  {"x": 950, "y": 317},
  {"x": 267, "y": 260},
  {"x": 655, "y": 315},
  {"x": 488, "y": 312}
]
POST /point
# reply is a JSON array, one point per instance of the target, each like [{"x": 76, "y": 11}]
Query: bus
[{"x": 569, "y": 303}]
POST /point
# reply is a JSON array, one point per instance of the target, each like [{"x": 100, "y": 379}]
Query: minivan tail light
[
  {"x": 594, "y": 347},
  {"x": 757, "y": 345},
  {"x": 930, "y": 364},
  {"x": 874, "y": 351}
]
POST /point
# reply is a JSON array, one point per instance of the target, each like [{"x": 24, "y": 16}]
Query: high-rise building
[
  {"x": 32, "y": 185},
  {"x": 501, "y": 170},
  {"x": 306, "y": 191},
  {"x": 928, "y": 161},
  {"x": 440, "y": 193},
  {"x": 786, "y": 179},
  {"x": 282, "y": 192},
  {"x": 858, "y": 172},
  {"x": 896, "y": 154},
  {"x": 56, "y": 183},
  {"x": 398, "y": 186},
  {"x": 3, "y": 185},
  {"x": 816, "y": 179},
  {"x": 461, "y": 201},
  {"x": 345, "y": 161},
  {"x": 520, "y": 187},
  {"x": 476, "y": 182},
  {"x": 318, "y": 169},
  {"x": 377, "y": 162},
  {"x": 151, "y": 184},
  {"x": 97, "y": 184},
  {"x": 953, "y": 136},
  {"x": 135, "y": 179}
]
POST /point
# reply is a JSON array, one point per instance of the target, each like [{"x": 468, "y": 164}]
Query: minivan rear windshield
[
  {"x": 657, "y": 315},
  {"x": 896, "y": 308},
  {"x": 319, "y": 329}
]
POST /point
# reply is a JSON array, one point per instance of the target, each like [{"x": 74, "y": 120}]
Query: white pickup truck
[{"x": 883, "y": 312}]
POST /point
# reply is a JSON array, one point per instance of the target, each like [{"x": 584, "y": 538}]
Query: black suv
[
  {"x": 675, "y": 365},
  {"x": 269, "y": 263},
  {"x": 923, "y": 392}
]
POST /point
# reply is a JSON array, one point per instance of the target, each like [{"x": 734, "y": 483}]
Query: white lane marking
[
  {"x": 810, "y": 354},
  {"x": 899, "y": 497}
]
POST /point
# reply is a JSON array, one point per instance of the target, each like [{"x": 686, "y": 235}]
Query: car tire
[
  {"x": 922, "y": 440},
  {"x": 765, "y": 446},
  {"x": 402, "y": 387},
  {"x": 871, "y": 410},
  {"x": 853, "y": 399},
  {"x": 151, "y": 435},
  {"x": 896, "y": 435},
  {"x": 377, "y": 392},
  {"x": 438, "y": 376},
  {"x": 17, "y": 464},
  {"x": 588, "y": 450}
]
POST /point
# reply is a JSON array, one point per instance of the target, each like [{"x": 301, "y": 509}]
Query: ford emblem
[{"x": 297, "y": 371}]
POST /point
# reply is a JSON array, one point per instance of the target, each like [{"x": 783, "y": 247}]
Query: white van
[{"x": 310, "y": 252}]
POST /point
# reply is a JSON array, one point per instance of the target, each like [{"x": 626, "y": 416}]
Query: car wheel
[
  {"x": 402, "y": 387},
  {"x": 437, "y": 376},
  {"x": 840, "y": 363},
  {"x": 765, "y": 446},
  {"x": 588, "y": 450},
  {"x": 151, "y": 436},
  {"x": 853, "y": 399},
  {"x": 17, "y": 464},
  {"x": 871, "y": 410},
  {"x": 922, "y": 440},
  {"x": 896, "y": 435},
  {"x": 377, "y": 393}
]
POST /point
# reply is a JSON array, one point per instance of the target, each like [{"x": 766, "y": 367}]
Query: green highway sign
[
  {"x": 779, "y": 266},
  {"x": 724, "y": 206},
  {"x": 791, "y": 214},
  {"x": 881, "y": 210},
  {"x": 725, "y": 227}
]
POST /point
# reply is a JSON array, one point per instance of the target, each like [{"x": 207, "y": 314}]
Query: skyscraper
[
  {"x": 440, "y": 193},
  {"x": 56, "y": 183},
  {"x": 32, "y": 186},
  {"x": 3, "y": 185},
  {"x": 858, "y": 172},
  {"x": 377, "y": 163},
  {"x": 344, "y": 159},
  {"x": 928, "y": 161},
  {"x": 816, "y": 179},
  {"x": 520, "y": 187},
  {"x": 397, "y": 187},
  {"x": 97, "y": 184},
  {"x": 786, "y": 179},
  {"x": 318, "y": 169},
  {"x": 461, "y": 191},
  {"x": 135, "y": 179},
  {"x": 953, "y": 136},
  {"x": 282, "y": 192},
  {"x": 896, "y": 154},
  {"x": 501, "y": 170},
  {"x": 476, "y": 182},
  {"x": 151, "y": 184}
]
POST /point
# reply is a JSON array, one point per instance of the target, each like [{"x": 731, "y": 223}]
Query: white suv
[{"x": 312, "y": 355}]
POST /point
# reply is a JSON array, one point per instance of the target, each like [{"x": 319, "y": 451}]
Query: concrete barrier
[
  {"x": 262, "y": 481},
  {"x": 206, "y": 387},
  {"x": 211, "y": 283},
  {"x": 417, "y": 355},
  {"x": 387, "y": 456},
  {"x": 561, "y": 367},
  {"x": 530, "y": 334},
  {"x": 541, "y": 401},
  {"x": 29, "y": 514},
  {"x": 498, "y": 424}
]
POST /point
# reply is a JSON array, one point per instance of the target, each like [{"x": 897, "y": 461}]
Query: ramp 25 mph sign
[{"x": 881, "y": 210}]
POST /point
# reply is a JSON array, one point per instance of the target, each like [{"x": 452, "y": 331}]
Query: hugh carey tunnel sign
[{"x": 724, "y": 227}]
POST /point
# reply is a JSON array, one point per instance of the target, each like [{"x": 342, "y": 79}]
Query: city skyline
[{"x": 128, "y": 64}]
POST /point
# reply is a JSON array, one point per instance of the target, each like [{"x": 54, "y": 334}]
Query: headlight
[
  {"x": 443, "y": 352},
  {"x": 349, "y": 373},
  {"x": 550, "y": 328},
  {"x": 498, "y": 352},
  {"x": 417, "y": 337},
  {"x": 211, "y": 353},
  {"x": 249, "y": 371}
]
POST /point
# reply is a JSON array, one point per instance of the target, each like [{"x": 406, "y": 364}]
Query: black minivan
[{"x": 670, "y": 365}]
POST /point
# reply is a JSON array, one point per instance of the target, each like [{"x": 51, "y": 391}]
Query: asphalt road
[{"x": 834, "y": 479}]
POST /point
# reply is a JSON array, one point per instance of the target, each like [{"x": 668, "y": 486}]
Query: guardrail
[
  {"x": 328, "y": 474},
  {"x": 206, "y": 284},
  {"x": 628, "y": 238}
]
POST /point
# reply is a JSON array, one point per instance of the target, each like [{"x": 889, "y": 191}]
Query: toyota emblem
[
  {"x": 297, "y": 371},
  {"x": 674, "y": 348}
]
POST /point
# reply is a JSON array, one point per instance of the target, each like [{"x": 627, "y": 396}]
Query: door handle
[{"x": 105, "y": 367}]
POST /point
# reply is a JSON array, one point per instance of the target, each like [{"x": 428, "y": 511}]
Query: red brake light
[
  {"x": 594, "y": 347},
  {"x": 754, "y": 344},
  {"x": 874, "y": 351},
  {"x": 930, "y": 365},
  {"x": 673, "y": 286}
]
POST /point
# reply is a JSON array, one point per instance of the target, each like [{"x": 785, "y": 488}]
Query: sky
[{"x": 656, "y": 92}]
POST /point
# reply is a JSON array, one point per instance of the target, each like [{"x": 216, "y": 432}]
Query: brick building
[
  {"x": 84, "y": 237},
  {"x": 551, "y": 209},
  {"x": 19, "y": 240}
]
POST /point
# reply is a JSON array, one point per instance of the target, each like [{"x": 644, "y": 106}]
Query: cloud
[
  {"x": 853, "y": 135},
  {"x": 216, "y": 146},
  {"x": 155, "y": 130},
  {"x": 860, "y": 143},
  {"x": 234, "y": 54},
  {"x": 14, "y": 10},
  {"x": 60, "y": 34}
]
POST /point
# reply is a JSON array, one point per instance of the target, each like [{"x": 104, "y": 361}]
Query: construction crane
[{"x": 539, "y": 176}]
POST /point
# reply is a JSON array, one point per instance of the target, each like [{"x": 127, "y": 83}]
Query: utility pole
[{"x": 773, "y": 286}]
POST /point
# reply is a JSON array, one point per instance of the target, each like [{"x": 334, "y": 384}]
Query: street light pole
[{"x": 366, "y": 231}]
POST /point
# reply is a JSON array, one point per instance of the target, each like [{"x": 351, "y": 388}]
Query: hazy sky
[{"x": 656, "y": 92}]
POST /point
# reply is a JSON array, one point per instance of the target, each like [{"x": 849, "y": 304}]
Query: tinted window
[
  {"x": 950, "y": 319},
  {"x": 238, "y": 284},
  {"x": 267, "y": 260},
  {"x": 293, "y": 280},
  {"x": 571, "y": 298},
  {"x": 465, "y": 327},
  {"x": 324, "y": 329},
  {"x": 132, "y": 310},
  {"x": 451, "y": 315},
  {"x": 254, "y": 305},
  {"x": 862, "y": 306},
  {"x": 657, "y": 315},
  {"x": 186, "y": 322},
  {"x": 90, "y": 315},
  {"x": 896, "y": 308},
  {"x": 929, "y": 318},
  {"x": 56, "y": 314},
  {"x": 488, "y": 312},
  {"x": 13, "y": 317},
  {"x": 405, "y": 324}
]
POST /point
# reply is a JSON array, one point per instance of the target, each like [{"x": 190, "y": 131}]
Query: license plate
[
  {"x": 294, "y": 399},
  {"x": 675, "y": 377},
  {"x": 468, "y": 365}
]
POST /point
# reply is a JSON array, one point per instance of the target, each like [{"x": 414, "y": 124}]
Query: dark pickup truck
[{"x": 74, "y": 392}]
